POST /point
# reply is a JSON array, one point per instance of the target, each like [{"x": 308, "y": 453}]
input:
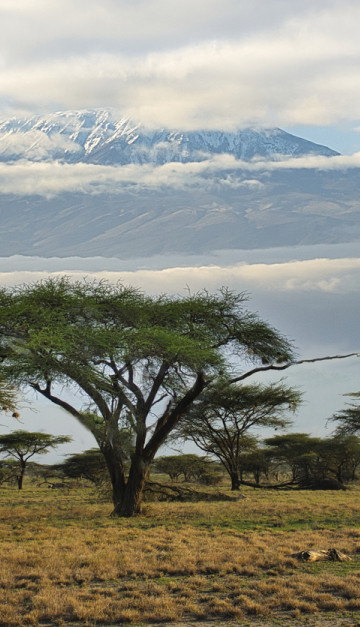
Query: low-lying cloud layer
[
  {"x": 52, "y": 178},
  {"x": 338, "y": 276}
]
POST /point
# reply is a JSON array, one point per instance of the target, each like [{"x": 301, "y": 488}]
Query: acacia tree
[
  {"x": 341, "y": 456},
  {"x": 219, "y": 420},
  {"x": 313, "y": 461},
  {"x": 300, "y": 452},
  {"x": 22, "y": 445},
  {"x": 349, "y": 418},
  {"x": 255, "y": 461},
  {"x": 190, "y": 465},
  {"x": 89, "y": 465},
  {"x": 139, "y": 361}
]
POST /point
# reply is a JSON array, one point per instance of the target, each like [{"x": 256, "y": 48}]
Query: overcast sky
[{"x": 189, "y": 64}]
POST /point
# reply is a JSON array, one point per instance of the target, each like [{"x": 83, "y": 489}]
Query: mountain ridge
[
  {"x": 97, "y": 136},
  {"x": 231, "y": 206}
]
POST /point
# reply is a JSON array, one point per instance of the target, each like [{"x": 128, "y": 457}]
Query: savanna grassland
[{"x": 64, "y": 561}]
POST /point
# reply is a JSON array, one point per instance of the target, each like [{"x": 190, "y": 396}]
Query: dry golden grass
[{"x": 64, "y": 561}]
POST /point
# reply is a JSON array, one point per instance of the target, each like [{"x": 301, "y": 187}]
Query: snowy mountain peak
[{"x": 98, "y": 136}]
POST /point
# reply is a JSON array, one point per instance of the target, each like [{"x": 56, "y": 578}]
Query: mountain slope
[
  {"x": 97, "y": 137},
  {"x": 223, "y": 191}
]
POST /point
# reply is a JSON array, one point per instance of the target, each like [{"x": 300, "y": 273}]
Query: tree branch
[
  {"x": 54, "y": 399},
  {"x": 156, "y": 386},
  {"x": 288, "y": 365},
  {"x": 132, "y": 387},
  {"x": 58, "y": 401},
  {"x": 172, "y": 417}
]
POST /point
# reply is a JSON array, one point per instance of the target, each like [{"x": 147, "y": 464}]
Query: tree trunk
[
  {"x": 235, "y": 481},
  {"x": 339, "y": 473},
  {"x": 116, "y": 471},
  {"x": 20, "y": 479},
  {"x": 130, "y": 501}
]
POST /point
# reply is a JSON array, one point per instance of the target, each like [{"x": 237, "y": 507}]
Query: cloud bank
[
  {"x": 338, "y": 276},
  {"x": 52, "y": 178}
]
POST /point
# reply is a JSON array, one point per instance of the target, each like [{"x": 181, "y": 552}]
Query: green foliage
[
  {"x": 220, "y": 419},
  {"x": 190, "y": 466},
  {"x": 28, "y": 443},
  {"x": 22, "y": 445},
  {"x": 255, "y": 461},
  {"x": 341, "y": 456},
  {"x": 54, "y": 328},
  {"x": 8, "y": 471},
  {"x": 313, "y": 460},
  {"x": 89, "y": 465},
  {"x": 7, "y": 397},
  {"x": 171, "y": 465},
  {"x": 138, "y": 361},
  {"x": 348, "y": 419}
]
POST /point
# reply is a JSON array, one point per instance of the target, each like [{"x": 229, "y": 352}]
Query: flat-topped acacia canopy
[{"x": 139, "y": 361}]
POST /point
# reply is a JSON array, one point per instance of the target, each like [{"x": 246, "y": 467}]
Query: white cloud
[
  {"x": 315, "y": 275},
  {"x": 152, "y": 24},
  {"x": 35, "y": 145},
  {"x": 51, "y": 178},
  {"x": 338, "y": 276},
  {"x": 213, "y": 64}
]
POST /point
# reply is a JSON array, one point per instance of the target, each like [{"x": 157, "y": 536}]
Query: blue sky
[{"x": 343, "y": 138}]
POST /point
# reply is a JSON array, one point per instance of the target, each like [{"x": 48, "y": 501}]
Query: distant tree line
[{"x": 295, "y": 460}]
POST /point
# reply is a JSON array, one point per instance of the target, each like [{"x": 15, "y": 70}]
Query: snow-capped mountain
[
  {"x": 97, "y": 136},
  {"x": 54, "y": 202}
]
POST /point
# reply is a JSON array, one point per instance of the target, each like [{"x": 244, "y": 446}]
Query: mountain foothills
[{"x": 87, "y": 183}]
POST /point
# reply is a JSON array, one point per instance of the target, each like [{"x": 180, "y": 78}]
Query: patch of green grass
[{"x": 340, "y": 569}]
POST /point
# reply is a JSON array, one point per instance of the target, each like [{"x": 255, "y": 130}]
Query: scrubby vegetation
[{"x": 65, "y": 561}]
